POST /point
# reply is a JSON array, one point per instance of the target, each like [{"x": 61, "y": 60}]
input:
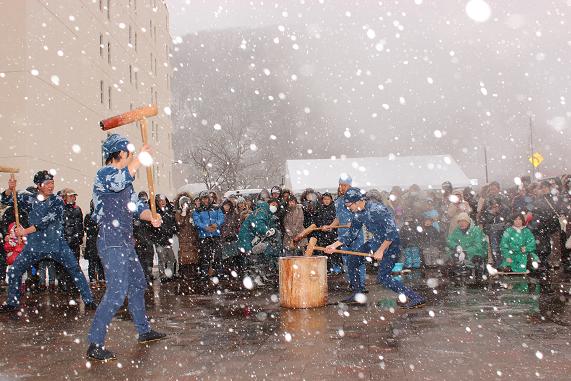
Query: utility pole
[
  {"x": 486, "y": 163},
  {"x": 531, "y": 147}
]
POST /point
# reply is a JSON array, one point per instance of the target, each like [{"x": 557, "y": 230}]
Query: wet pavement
[{"x": 504, "y": 328}]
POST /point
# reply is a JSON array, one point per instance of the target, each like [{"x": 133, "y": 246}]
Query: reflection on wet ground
[{"x": 507, "y": 327}]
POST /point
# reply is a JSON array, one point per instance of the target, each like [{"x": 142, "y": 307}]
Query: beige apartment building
[{"x": 66, "y": 65}]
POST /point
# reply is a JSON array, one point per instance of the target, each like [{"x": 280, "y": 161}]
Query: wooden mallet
[
  {"x": 311, "y": 228},
  {"x": 140, "y": 116},
  {"x": 312, "y": 246},
  {"x": 12, "y": 171}
]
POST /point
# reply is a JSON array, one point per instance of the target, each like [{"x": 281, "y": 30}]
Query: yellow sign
[{"x": 536, "y": 159}]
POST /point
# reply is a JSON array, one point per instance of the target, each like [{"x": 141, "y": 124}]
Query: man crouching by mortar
[{"x": 380, "y": 222}]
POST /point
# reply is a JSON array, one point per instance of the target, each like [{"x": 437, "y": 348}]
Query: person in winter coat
[
  {"x": 494, "y": 221},
  {"x": 72, "y": 221},
  {"x": 544, "y": 222},
  {"x": 276, "y": 194},
  {"x": 409, "y": 238},
  {"x": 326, "y": 214},
  {"x": 517, "y": 245},
  {"x": 293, "y": 226},
  {"x": 310, "y": 204},
  {"x": 467, "y": 245},
  {"x": 254, "y": 238},
  {"x": 72, "y": 232},
  {"x": 142, "y": 232},
  {"x": 231, "y": 258},
  {"x": 456, "y": 206},
  {"x": 162, "y": 238},
  {"x": 242, "y": 209},
  {"x": 187, "y": 236},
  {"x": 95, "y": 269},
  {"x": 8, "y": 218},
  {"x": 431, "y": 244},
  {"x": 12, "y": 245},
  {"x": 208, "y": 220}
]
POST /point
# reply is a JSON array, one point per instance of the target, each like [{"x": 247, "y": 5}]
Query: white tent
[
  {"x": 381, "y": 173},
  {"x": 192, "y": 188}
]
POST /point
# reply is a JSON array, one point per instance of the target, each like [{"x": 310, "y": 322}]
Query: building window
[
  {"x": 136, "y": 41},
  {"x": 102, "y": 95},
  {"x": 130, "y": 35},
  {"x": 136, "y": 80},
  {"x": 155, "y": 33},
  {"x": 108, "y": 9},
  {"x": 131, "y": 74},
  {"x": 101, "y": 45},
  {"x": 100, "y": 5},
  {"x": 151, "y": 62},
  {"x": 109, "y": 52},
  {"x": 109, "y": 95},
  {"x": 155, "y": 66}
]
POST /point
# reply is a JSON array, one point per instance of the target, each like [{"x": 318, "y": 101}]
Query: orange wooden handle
[
  {"x": 128, "y": 117},
  {"x": 8, "y": 169},
  {"x": 318, "y": 248}
]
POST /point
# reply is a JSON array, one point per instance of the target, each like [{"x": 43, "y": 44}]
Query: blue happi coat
[
  {"x": 380, "y": 222},
  {"x": 344, "y": 216},
  {"x": 115, "y": 205},
  {"x": 46, "y": 214}
]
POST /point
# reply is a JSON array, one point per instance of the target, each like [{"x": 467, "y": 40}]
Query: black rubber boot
[
  {"x": 95, "y": 352},
  {"x": 151, "y": 336}
]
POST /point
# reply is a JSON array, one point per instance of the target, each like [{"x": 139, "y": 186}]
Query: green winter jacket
[
  {"x": 473, "y": 243},
  {"x": 255, "y": 225},
  {"x": 511, "y": 244}
]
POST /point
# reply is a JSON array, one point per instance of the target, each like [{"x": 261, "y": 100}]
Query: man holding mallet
[
  {"x": 44, "y": 238},
  {"x": 116, "y": 204},
  {"x": 380, "y": 222}
]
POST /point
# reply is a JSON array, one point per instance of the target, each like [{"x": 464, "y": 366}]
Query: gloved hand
[
  {"x": 270, "y": 232},
  {"x": 255, "y": 241},
  {"x": 259, "y": 248},
  {"x": 461, "y": 256}
]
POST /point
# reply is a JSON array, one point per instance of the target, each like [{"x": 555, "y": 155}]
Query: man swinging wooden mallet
[{"x": 115, "y": 204}]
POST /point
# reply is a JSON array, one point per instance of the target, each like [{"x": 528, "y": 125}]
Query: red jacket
[{"x": 11, "y": 245}]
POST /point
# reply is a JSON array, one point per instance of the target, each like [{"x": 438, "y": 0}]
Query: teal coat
[
  {"x": 511, "y": 244},
  {"x": 473, "y": 243}
]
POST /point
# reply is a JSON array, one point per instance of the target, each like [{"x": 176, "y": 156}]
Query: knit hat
[
  {"x": 114, "y": 143},
  {"x": 463, "y": 217},
  {"x": 42, "y": 176},
  {"x": 354, "y": 195},
  {"x": 345, "y": 179}
]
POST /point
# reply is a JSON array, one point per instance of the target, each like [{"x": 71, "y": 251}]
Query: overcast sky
[{"x": 453, "y": 75}]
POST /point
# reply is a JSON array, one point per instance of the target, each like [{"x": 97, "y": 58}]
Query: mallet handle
[
  {"x": 16, "y": 212},
  {"x": 128, "y": 117},
  {"x": 8, "y": 169},
  {"x": 318, "y": 248},
  {"x": 336, "y": 227},
  {"x": 150, "y": 183}
]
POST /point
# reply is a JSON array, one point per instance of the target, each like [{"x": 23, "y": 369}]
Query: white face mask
[{"x": 273, "y": 208}]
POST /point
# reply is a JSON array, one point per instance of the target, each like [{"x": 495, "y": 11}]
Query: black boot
[
  {"x": 91, "y": 306},
  {"x": 151, "y": 336},
  {"x": 4, "y": 308},
  {"x": 96, "y": 352}
]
